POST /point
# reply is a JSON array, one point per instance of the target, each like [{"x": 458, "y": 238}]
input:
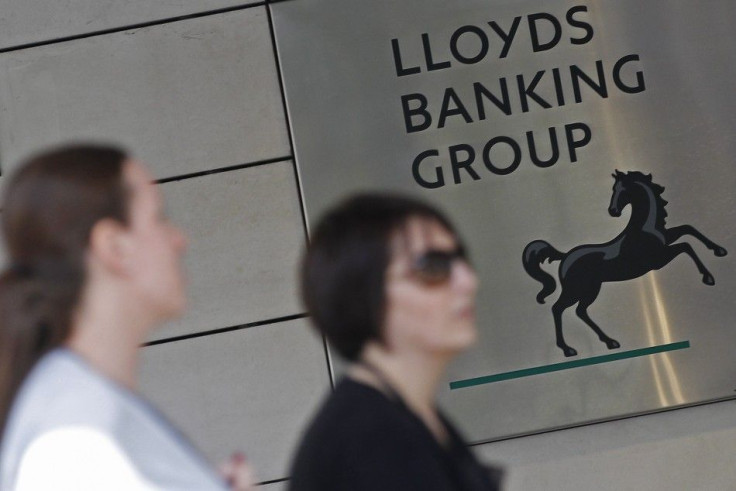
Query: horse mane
[{"x": 635, "y": 176}]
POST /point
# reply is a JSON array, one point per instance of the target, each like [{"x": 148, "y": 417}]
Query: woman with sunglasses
[
  {"x": 94, "y": 266},
  {"x": 387, "y": 282}
]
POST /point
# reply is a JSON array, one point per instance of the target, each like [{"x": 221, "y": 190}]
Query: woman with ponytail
[{"x": 93, "y": 267}]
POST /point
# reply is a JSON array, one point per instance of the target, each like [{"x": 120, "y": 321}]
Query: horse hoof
[
  {"x": 612, "y": 344},
  {"x": 720, "y": 251},
  {"x": 569, "y": 351},
  {"x": 709, "y": 280}
]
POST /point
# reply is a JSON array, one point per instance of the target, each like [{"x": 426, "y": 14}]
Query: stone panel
[
  {"x": 245, "y": 238},
  {"x": 251, "y": 390},
  {"x": 186, "y": 97}
]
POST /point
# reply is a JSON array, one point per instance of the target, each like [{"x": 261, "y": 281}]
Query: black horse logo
[{"x": 644, "y": 245}]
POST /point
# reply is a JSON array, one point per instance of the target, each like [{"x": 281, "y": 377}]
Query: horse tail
[{"x": 535, "y": 253}]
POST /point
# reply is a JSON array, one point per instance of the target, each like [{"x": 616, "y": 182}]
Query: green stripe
[{"x": 556, "y": 367}]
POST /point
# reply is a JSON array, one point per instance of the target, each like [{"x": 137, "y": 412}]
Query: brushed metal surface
[{"x": 344, "y": 92}]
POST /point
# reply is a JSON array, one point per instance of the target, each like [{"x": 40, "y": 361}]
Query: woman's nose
[{"x": 465, "y": 277}]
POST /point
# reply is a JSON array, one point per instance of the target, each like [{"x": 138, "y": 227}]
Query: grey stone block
[
  {"x": 251, "y": 390},
  {"x": 277, "y": 486},
  {"x": 33, "y": 21},
  {"x": 187, "y": 96},
  {"x": 245, "y": 239}
]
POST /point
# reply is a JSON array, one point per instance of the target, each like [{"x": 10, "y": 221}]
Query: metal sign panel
[{"x": 584, "y": 148}]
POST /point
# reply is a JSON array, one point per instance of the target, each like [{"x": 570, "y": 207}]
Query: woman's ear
[{"x": 110, "y": 246}]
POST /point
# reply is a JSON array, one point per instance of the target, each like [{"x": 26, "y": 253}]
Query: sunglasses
[{"x": 434, "y": 267}]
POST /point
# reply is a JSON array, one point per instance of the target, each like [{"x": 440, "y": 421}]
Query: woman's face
[
  {"x": 437, "y": 316},
  {"x": 156, "y": 247}
]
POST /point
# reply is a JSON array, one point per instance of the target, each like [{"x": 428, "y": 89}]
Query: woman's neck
[
  {"x": 107, "y": 334},
  {"x": 414, "y": 376},
  {"x": 113, "y": 360}
]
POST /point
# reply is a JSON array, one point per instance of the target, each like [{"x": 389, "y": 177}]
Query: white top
[{"x": 72, "y": 428}]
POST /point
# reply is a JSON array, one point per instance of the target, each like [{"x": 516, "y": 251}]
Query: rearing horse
[{"x": 644, "y": 245}]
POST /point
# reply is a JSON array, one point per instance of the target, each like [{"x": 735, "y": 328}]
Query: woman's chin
[
  {"x": 470, "y": 339},
  {"x": 462, "y": 339},
  {"x": 172, "y": 310}
]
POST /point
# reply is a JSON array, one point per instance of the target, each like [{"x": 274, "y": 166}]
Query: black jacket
[{"x": 362, "y": 440}]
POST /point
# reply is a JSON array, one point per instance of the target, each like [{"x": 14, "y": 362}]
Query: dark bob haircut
[{"x": 343, "y": 271}]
